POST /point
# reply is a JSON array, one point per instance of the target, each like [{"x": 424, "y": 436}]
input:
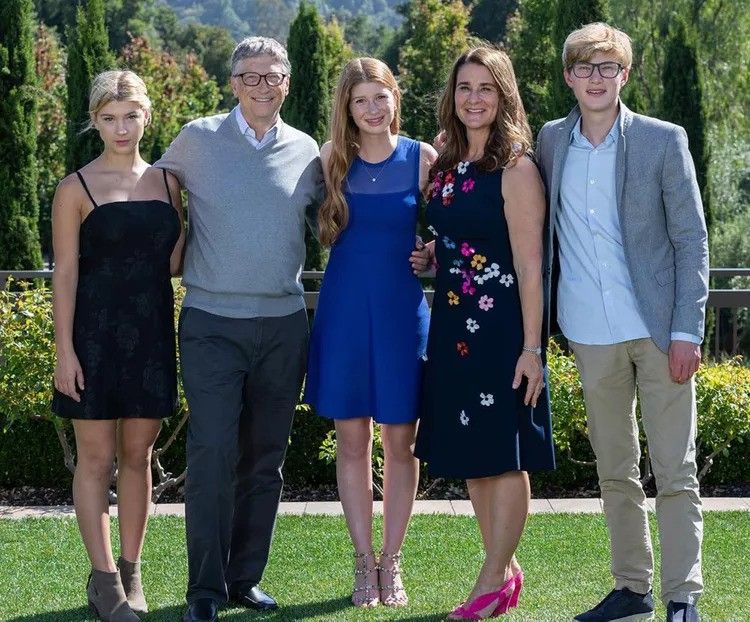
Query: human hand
[
  {"x": 68, "y": 375},
  {"x": 439, "y": 141},
  {"x": 530, "y": 365},
  {"x": 422, "y": 256},
  {"x": 684, "y": 360}
]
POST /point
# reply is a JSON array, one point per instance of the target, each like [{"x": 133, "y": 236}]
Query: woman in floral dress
[{"x": 486, "y": 412}]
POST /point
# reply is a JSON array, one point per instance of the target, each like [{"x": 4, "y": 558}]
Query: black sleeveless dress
[
  {"x": 474, "y": 424},
  {"x": 123, "y": 327}
]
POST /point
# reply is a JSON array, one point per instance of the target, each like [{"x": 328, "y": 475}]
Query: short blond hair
[
  {"x": 584, "y": 43},
  {"x": 120, "y": 86}
]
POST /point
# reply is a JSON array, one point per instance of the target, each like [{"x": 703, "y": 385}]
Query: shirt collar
[
  {"x": 246, "y": 129},
  {"x": 577, "y": 137}
]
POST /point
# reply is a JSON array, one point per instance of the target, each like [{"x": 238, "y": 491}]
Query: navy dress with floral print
[
  {"x": 473, "y": 423},
  {"x": 123, "y": 327}
]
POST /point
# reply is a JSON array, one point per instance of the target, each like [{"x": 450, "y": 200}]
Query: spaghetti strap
[
  {"x": 86, "y": 188},
  {"x": 166, "y": 183}
]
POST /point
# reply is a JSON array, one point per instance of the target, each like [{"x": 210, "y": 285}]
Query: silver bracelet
[{"x": 537, "y": 350}]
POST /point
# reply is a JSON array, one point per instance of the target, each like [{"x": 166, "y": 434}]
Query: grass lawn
[{"x": 565, "y": 557}]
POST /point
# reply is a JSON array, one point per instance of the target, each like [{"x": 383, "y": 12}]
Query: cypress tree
[
  {"x": 682, "y": 100},
  {"x": 19, "y": 205},
  {"x": 569, "y": 16},
  {"x": 308, "y": 105},
  {"x": 88, "y": 55}
]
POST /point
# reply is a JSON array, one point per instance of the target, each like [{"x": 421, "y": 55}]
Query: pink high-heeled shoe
[
  {"x": 512, "y": 600},
  {"x": 479, "y": 608}
]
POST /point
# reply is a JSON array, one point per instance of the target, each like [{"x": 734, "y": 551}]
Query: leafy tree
[
  {"x": 179, "y": 91},
  {"x": 50, "y": 149},
  {"x": 367, "y": 38},
  {"x": 569, "y": 16},
  {"x": 19, "y": 204},
  {"x": 535, "y": 59},
  {"x": 88, "y": 55},
  {"x": 437, "y": 34},
  {"x": 489, "y": 18}
]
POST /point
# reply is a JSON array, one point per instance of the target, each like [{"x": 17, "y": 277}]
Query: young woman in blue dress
[
  {"x": 118, "y": 237},
  {"x": 370, "y": 328}
]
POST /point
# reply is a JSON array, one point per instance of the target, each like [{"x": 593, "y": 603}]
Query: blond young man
[{"x": 626, "y": 224}]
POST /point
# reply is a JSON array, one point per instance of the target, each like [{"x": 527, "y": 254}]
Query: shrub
[{"x": 30, "y": 455}]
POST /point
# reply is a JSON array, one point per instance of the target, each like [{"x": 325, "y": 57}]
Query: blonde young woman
[
  {"x": 117, "y": 236},
  {"x": 486, "y": 416},
  {"x": 370, "y": 327}
]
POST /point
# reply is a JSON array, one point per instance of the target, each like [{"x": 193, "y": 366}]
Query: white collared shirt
[{"x": 249, "y": 132}]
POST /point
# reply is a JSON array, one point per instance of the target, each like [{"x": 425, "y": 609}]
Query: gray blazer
[{"x": 661, "y": 219}]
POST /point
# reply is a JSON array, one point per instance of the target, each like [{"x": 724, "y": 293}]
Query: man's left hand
[{"x": 684, "y": 360}]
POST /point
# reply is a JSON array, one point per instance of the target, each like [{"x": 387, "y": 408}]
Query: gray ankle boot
[
  {"x": 131, "y": 583},
  {"x": 107, "y": 597}
]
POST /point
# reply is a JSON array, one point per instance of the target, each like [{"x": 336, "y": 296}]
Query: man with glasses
[
  {"x": 626, "y": 224},
  {"x": 251, "y": 180}
]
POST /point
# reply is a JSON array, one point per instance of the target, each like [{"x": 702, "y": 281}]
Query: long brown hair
[
  {"x": 334, "y": 213},
  {"x": 510, "y": 136}
]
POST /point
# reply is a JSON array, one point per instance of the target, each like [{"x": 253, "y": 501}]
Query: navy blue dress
[
  {"x": 123, "y": 326},
  {"x": 474, "y": 424},
  {"x": 370, "y": 329}
]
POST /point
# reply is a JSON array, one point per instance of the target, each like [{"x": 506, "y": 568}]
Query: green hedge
[{"x": 30, "y": 453}]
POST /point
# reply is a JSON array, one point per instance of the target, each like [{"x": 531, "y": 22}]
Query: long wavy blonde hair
[
  {"x": 510, "y": 136},
  {"x": 334, "y": 213}
]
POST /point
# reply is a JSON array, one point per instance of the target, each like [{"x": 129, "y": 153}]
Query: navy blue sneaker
[
  {"x": 682, "y": 612},
  {"x": 621, "y": 606}
]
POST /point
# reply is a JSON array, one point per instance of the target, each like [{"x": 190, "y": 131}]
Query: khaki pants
[{"x": 610, "y": 374}]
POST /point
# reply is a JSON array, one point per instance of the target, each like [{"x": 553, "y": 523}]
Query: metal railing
[{"x": 719, "y": 299}]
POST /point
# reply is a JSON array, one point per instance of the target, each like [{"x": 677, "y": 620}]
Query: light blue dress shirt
[
  {"x": 249, "y": 132},
  {"x": 596, "y": 304}
]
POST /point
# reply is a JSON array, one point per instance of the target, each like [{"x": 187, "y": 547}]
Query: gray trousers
[{"x": 242, "y": 380}]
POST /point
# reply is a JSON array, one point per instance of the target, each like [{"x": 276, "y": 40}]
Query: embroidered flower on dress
[
  {"x": 447, "y": 190},
  {"x": 462, "y": 166},
  {"x": 507, "y": 280},
  {"x": 452, "y": 298},
  {"x": 467, "y": 186},
  {"x": 487, "y": 399},
  {"x": 468, "y": 288},
  {"x": 455, "y": 270},
  {"x": 463, "y": 418},
  {"x": 462, "y": 348},
  {"x": 466, "y": 250},
  {"x": 486, "y": 303},
  {"x": 432, "y": 230},
  {"x": 448, "y": 243},
  {"x": 478, "y": 261},
  {"x": 458, "y": 262},
  {"x": 472, "y": 325}
]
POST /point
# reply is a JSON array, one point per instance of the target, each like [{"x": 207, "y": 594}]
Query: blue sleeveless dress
[{"x": 369, "y": 334}]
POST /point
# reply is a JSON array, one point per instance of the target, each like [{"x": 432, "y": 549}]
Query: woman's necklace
[{"x": 374, "y": 178}]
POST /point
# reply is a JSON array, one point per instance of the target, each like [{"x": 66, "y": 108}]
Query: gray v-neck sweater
[{"x": 247, "y": 209}]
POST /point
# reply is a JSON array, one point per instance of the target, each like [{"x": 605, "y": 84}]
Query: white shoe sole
[{"x": 634, "y": 618}]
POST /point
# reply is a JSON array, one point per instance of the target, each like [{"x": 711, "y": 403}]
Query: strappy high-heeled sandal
[
  {"x": 392, "y": 593},
  {"x": 367, "y": 594}
]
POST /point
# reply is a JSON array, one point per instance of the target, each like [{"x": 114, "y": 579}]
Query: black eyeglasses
[
  {"x": 250, "y": 78},
  {"x": 608, "y": 69}
]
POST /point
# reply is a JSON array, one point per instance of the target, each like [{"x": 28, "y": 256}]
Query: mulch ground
[{"x": 31, "y": 495}]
